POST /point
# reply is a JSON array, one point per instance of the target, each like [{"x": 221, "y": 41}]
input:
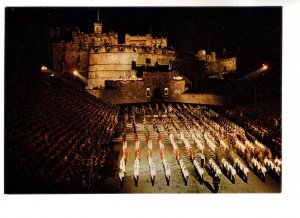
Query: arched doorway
[{"x": 157, "y": 95}]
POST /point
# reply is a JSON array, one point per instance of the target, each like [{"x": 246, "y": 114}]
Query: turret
[{"x": 98, "y": 24}]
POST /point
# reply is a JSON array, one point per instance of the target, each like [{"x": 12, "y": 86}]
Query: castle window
[
  {"x": 148, "y": 61},
  {"x": 108, "y": 48},
  {"x": 166, "y": 91}
]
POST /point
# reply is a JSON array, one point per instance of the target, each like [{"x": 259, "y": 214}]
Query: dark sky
[{"x": 256, "y": 31}]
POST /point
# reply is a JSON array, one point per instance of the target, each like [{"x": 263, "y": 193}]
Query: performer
[
  {"x": 162, "y": 154},
  {"x": 158, "y": 137},
  {"x": 137, "y": 154},
  {"x": 216, "y": 181},
  {"x": 202, "y": 158},
  {"x": 136, "y": 171},
  {"x": 123, "y": 136}
]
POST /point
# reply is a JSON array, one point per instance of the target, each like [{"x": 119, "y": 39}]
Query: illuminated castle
[
  {"x": 139, "y": 70},
  {"x": 100, "y": 57}
]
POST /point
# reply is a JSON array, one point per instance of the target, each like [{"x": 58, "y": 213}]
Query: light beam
[{"x": 82, "y": 78}]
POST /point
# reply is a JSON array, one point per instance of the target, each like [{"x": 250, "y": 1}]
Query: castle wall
[
  {"x": 196, "y": 98},
  {"x": 162, "y": 81},
  {"x": 146, "y": 40},
  {"x": 228, "y": 64},
  {"x": 217, "y": 65},
  {"x": 110, "y": 65},
  {"x": 201, "y": 55},
  {"x": 138, "y": 40},
  {"x": 141, "y": 90},
  {"x": 125, "y": 92},
  {"x": 137, "y": 95}
]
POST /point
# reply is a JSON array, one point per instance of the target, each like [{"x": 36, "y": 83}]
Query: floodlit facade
[
  {"x": 214, "y": 65},
  {"x": 100, "y": 57}
]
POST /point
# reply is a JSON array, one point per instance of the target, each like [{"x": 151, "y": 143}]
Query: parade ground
[{"x": 112, "y": 184}]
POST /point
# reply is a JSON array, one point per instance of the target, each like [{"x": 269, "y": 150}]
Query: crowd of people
[
  {"x": 58, "y": 139},
  {"x": 263, "y": 121}
]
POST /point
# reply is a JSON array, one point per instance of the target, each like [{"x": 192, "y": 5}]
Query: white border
[{"x": 183, "y": 205}]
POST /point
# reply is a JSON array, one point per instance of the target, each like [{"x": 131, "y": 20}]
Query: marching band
[{"x": 220, "y": 142}]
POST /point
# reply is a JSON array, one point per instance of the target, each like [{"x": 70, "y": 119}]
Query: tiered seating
[{"x": 57, "y": 129}]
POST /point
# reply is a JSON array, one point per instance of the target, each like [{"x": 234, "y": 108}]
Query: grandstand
[{"x": 57, "y": 139}]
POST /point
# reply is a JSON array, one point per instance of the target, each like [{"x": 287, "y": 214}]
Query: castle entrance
[{"x": 157, "y": 95}]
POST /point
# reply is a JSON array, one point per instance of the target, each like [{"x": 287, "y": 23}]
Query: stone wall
[
  {"x": 227, "y": 65},
  {"x": 138, "y": 40},
  {"x": 125, "y": 94},
  {"x": 200, "y": 98},
  {"x": 111, "y": 65},
  {"x": 138, "y": 95},
  {"x": 153, "y": 85}
]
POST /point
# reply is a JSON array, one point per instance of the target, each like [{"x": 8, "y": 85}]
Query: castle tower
[{"x": 98, "y": 24}]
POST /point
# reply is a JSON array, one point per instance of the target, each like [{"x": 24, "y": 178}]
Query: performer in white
[
  {"x": 122, "y": 165},
  {"x": 136, "y": 170},
  {"x": 124, "y": 145},
  {"x": 199, "y": 170},
  {"x": 137, "y": 144},
  {"x": 150, "y": 144}
]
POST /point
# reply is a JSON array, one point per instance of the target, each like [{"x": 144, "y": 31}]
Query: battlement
[{"x": 101, "y": 57}]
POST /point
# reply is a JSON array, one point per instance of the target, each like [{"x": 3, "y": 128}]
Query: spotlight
[
  {"x": 44, "y": 69},
  {"x": 78, "y": 75},
  {"x": 265, "y": 67},
  {"x": 75, "y": 73}
]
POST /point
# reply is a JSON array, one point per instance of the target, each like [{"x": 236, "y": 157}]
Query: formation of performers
[
  {"x": 222, "y": 147},
  {"x": 262, "y": 121}
]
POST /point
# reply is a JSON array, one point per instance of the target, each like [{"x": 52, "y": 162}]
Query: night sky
[{"x": 255, "y": 32}]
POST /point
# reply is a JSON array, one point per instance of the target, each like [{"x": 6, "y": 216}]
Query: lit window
[
  {"x": 166, "y": 92},
  {"x": 148, "y": 92}
]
